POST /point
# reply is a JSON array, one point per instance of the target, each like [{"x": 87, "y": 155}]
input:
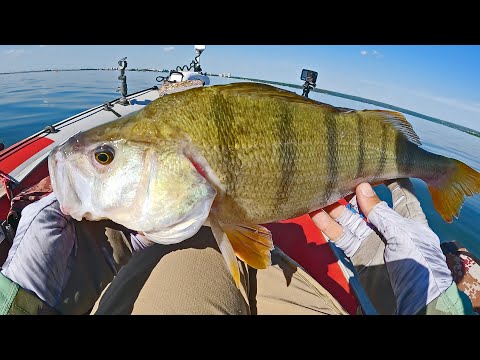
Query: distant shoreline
[
  {"x": 86, "y": 69},
  {"x": 99, "y": 69}
]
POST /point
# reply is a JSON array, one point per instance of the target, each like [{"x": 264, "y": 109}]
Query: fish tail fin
[{"x": 448, "y": 193}]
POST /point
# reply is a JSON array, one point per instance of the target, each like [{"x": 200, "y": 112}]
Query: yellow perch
[{"x": 240, "y": 155}]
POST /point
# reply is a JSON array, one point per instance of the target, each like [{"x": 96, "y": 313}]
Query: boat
[{"x": 24, "y": 164}]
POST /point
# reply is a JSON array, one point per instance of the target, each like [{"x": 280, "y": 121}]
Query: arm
[
  {"x": 62, "y": 264},
  {"x": 39, "y": 259}
]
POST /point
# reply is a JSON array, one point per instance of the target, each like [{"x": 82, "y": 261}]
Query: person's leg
[
  {"x": 186, "y": 278},
  {"x": 100, "y": 251},
  {"x": 191, "y": 278},
  {"x": 286, "y": 288}
]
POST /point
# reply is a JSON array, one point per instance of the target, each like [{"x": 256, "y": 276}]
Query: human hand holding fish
[
  {"x": 240, "y": 155},
  {"x": 412, "y": 253}
]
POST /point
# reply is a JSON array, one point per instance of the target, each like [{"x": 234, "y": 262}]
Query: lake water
[{"x": 29, "y": 102}]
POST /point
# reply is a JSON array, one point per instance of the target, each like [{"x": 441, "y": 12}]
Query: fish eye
[{"x": 104, "y": 155}]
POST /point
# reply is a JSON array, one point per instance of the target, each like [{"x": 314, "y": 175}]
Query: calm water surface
[{"x": 29, "y": 102}]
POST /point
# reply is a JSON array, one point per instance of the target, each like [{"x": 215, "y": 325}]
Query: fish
[{"x": 235, "y": 156}]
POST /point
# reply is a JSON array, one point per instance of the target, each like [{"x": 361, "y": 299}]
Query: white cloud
[
  {"x": 43, "y": 45},
  {"x": 15, "y": 51},
  {"x": 374, "y": 53},
  {"x": 168, "y": 49}
]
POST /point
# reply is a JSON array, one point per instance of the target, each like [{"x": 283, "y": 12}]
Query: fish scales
[{"x": 280, "y": 158}]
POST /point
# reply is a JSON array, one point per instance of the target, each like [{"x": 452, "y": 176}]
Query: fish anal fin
[{"x": 252, "y": 244}]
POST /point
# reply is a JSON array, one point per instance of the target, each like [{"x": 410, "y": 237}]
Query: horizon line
[{"x": 449, "y": 124}]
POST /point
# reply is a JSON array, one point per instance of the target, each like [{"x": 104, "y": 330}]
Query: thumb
[{"x": 366, "y": 198}]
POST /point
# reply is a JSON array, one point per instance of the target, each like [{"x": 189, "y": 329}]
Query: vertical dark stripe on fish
[
  {"x": 224, "y": 120},
  {"x": 383, "y": 152},
  {"x": 405, "y": 155},
  {"x": 361, "y": 146},
  {"x": 288, "y": 153},
  {"x": 332, "y": 141}
]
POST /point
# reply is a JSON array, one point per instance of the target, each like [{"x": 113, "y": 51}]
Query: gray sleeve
[
  {"x": 39, "y": 259},
  {"x": 415, "y": 262}
]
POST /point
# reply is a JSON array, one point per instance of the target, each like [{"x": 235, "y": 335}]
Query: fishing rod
[{"x": 367, "y": 101}]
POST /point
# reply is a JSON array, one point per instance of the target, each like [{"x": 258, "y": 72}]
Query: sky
[{"x": 436, "y": 80}]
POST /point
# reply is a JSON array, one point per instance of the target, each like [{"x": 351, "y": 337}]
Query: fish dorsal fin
[
  {"x": 268, "y": 91},
  {"x": 396, "y": 120},
  {"x": 252, "y": 244}
]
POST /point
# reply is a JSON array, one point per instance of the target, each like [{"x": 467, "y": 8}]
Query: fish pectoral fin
[
  {"x": 252, "y": 244},
  {"x": 226, "y": 250}
]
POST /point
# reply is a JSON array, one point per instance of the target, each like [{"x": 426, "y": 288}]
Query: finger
[
  {"x": 355, "y": 223},
  {"x": 334, "y": 210},
  {"x": 405, "y": 202},
  {"x": 349, "y": 243},
  {"x": 327, "y": 225},
  {"x": 366, "y": 198}
]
